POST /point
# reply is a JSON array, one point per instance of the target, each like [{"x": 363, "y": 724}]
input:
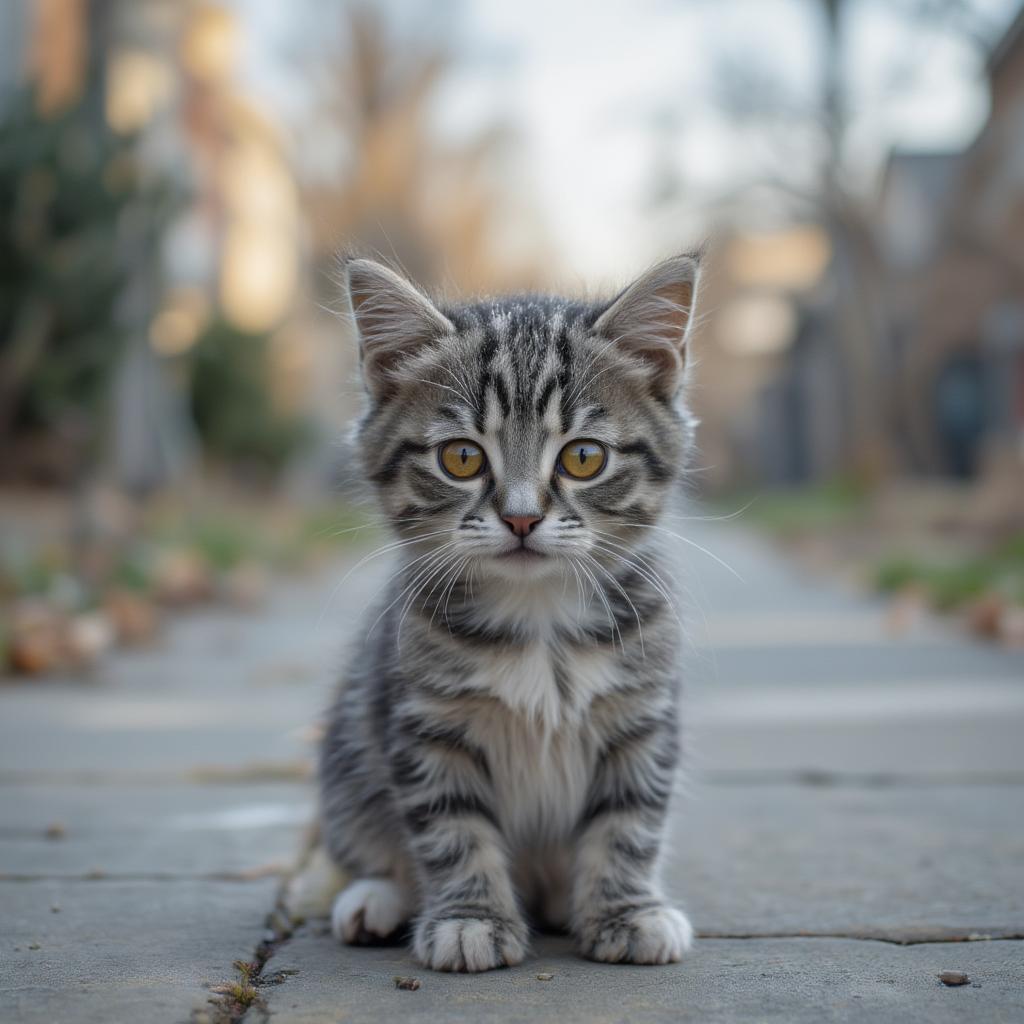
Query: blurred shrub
[
  {"x": 951, "y": 585},
  {"x": 231, "y": 404},
  {"x": 790, "y": 513},
  {"x": 74, "y": 200}
]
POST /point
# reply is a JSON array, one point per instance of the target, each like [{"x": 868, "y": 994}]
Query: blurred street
[{"x": 853, "y": 822}]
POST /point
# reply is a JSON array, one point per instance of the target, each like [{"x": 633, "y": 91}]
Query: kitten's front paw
[
  {"x": 369, "y": 910},
  {"x": 651, "y": 935},
  {"x": 468, "y": 943}
]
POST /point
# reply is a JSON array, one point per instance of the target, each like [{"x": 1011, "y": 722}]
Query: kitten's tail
[{"x": 314, "y": 882}]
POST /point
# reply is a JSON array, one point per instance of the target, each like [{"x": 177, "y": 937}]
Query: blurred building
[
  {"x": 769, "y": 390},
  {"x": 776, "y": 393},
  {"x": 952, "y": 228}
]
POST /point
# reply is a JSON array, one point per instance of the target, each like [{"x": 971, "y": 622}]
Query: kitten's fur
[{"x": 505, "y": 743}]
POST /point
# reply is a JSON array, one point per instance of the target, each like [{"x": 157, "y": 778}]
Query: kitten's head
[{"x": 523, "y": 434}]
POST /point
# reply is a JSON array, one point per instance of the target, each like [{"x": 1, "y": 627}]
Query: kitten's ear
[
  {"x": 393, "y": 320},
  {"x": 651, "y": 319}
]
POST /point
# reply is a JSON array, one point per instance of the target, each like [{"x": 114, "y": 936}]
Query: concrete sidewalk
[{"x": 854, "y": 824}]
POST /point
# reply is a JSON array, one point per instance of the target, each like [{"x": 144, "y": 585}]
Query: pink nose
[{"x": 522, "y": 525}]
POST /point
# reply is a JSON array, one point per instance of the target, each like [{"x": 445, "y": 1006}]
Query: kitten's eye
[
  {"x": 581, "y": 459},
  {"x": 461, "y": 459}
]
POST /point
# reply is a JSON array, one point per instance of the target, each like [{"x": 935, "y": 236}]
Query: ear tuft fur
[
  {"x": 393, "y": 320},
  {"x": 651, "y": 318}
]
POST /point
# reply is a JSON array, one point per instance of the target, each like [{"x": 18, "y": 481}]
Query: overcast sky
[{"x": 603, "y": 93}]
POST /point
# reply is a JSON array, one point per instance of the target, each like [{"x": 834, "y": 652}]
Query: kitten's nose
[{"x": 521, "y": 525}]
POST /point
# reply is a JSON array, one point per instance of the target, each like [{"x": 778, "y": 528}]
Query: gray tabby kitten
[{"x": 504, "y": 745}]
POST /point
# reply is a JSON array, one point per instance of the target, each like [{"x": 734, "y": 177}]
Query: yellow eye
[
  {"x": 461, "y": 459},
  {"x": 581, "y": 459}
]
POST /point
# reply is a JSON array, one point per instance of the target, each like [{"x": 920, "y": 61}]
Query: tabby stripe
[
  {"x": 429, "y": 488},
  {"x": 449, "y": 859},
  {"x": 657, "y": 469},
  {"x": 656, "y": 798},
  {"x": 450, "y": 412},
  {"x": 411, "y": 510},
  {"x": 389, "y": 471},
  {"x": 459, "y": 627},
  {"x": 564, "y": 350},
  {"x": 447, "y": 805},
  {"x": 545, "y": 396},
  {"x": 449, "y": 738},
  {"x": 501, "y": 390},
  {"x": 488, "y": 350},
  {"x": 635, "y": 850}
]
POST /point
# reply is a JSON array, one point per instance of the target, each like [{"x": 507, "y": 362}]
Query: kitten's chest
[
  {"x": 550, "y": 684},
  {"x": 539, "y": 779},
  {"x": 540, "y": 741}
]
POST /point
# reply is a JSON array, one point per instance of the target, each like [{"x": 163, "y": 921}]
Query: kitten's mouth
[{"x": 520, "y": 554}]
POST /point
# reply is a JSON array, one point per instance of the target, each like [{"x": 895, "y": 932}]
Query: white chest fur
[{"x": 537, "y": 734}]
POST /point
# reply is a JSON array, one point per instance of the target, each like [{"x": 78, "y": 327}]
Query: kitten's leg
[
  {"x": 619, "y": 914},
  {"x": 470, "y": 919},
  {"x": 360, "y": 829}
]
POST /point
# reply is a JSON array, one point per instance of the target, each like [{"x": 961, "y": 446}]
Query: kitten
[{"x": 505, "y": 743}]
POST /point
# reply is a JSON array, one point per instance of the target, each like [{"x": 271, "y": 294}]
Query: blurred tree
[
  {"x": 399, "y": 190},
  {"x": 69, "y": 190},
  {"x": 231, "y": 406}
]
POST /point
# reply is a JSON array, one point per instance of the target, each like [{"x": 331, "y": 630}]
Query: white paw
[
  {"x": 369, "y": 909},
  {"x": 468, "y": 943},
  {"x": 657, "y": 935}
]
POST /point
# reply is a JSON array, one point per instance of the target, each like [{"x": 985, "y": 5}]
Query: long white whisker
[
  {"x": 599, "y": 591},
  {"x": 686, "y": 540},
  {"x": 437, "y": 569},
  {"x": 432, "y": 558},
  {"x": 452, "y": 574},
  {"x": 619, "y": 588},
  {"x": 384, "y": 549},
  {"x": 451, "y": 590},
  {"x": 652, "y": 578}
]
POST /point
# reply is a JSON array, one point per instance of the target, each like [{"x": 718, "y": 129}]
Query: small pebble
[
  {"x": 544, "y": 977},
  {"x": 953, "y": 978},
  {"x": 409, "y": 984}
]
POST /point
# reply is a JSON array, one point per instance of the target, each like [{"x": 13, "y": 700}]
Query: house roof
[{"x": 1007, "y": 44}]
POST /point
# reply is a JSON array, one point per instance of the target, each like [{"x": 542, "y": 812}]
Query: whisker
[
  {"x": 652, "y": 578},
  {"x": 432, "y": 557},
  {"x": 599, "y": 591},
  {"x": 618, "y": 586},
  {"x": 438, "y": 570},
  {"x": 384, "y": 549},
  {"x": 693, "y": 544}
]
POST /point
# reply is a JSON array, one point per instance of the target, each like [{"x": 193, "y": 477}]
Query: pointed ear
[
  {"x": 393, "y": 320},
  {"x": 651, "y": 319}
]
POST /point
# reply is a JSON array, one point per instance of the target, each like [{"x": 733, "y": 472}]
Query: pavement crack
[
  {"x": 253, "y": 875},
  {"x": 814, "y": 777},
  {"x": 241, "y": 998},
  {"x": 246, "y": 774},
  {"x": 868, "y": 936}
]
